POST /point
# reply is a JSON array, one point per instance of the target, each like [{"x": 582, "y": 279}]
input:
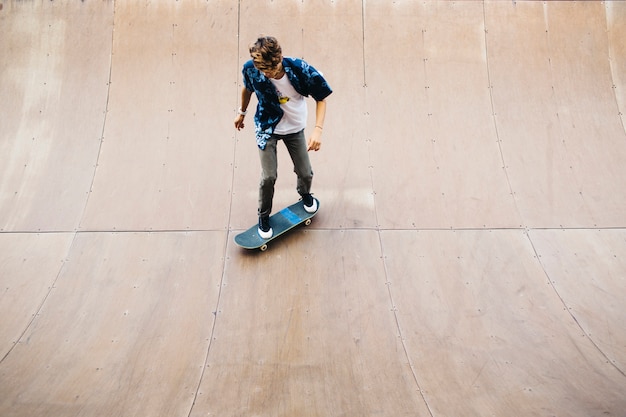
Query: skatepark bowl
[{"x": 469, "y": 257}]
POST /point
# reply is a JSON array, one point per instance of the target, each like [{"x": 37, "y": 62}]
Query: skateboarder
[{"x": 281, "y": 85}]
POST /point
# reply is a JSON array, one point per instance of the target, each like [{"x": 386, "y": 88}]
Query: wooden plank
[
  {"x": 124, "y": 331},
  {"x": 586, "y": 268},
  {"x": 168, "y": 140},
  {"x": 562, "y": 138},
  {"x": 324, "y": 340},
  {"x": 431, "y": 110},
  {"x": 486, "y": 332},
  {"x": 29, "y": 266},
  {"x": 53, "y": 110},
  {"x": 616, "y": 16}
]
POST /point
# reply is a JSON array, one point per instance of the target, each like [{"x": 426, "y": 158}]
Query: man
[{"x": 281, "y": 85}]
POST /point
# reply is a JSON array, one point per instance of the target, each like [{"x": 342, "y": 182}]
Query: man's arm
[
  {"x": 245, "y": 101},
  {"x": 315, "y": 141}
]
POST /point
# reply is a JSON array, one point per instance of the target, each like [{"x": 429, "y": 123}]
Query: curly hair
[{"x": 266, "y": 52}]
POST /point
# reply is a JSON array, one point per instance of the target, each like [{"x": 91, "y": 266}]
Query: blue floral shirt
[{"x": 305, "y": 79}]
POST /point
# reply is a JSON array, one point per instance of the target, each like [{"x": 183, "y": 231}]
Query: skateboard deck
[{"x": 281, "y": 222}]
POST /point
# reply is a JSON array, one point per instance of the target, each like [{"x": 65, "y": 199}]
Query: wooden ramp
[{"x": 469, "y": 259}]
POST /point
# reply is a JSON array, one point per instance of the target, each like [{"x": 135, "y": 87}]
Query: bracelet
[
  {"x": 241, "y": 112},
  {"x": 321, "y": 128}
]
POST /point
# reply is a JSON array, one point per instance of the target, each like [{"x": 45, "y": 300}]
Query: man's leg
[
  {"x": 296, "y": 145},
  {"x": 269, "y": 168}
]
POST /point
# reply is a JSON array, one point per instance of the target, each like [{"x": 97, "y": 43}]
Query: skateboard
[{"x": 281, "y": 222}]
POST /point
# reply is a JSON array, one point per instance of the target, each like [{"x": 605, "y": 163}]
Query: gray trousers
[{"x": 297, "y": 147}]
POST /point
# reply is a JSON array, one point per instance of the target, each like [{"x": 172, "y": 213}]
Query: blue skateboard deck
[{"x": 281, "y": 222}]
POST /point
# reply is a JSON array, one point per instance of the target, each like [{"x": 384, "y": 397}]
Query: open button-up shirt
[{"x": 305, "y": 79}]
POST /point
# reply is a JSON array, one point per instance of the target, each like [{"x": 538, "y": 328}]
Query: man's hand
[
  {"x": 315, "y": 141},
  {"x": 239, "y": 121}
]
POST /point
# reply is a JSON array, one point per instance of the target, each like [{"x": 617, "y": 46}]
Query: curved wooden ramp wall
[{"x": 469, "y": 258}]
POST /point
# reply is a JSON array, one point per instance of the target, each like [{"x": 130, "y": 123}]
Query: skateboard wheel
[
  {"x": 263, "y": 248},
  {"x": 307, "y": 222}
]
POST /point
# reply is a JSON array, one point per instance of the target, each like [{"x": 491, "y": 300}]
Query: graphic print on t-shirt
[{"x": 282, "y": 99}]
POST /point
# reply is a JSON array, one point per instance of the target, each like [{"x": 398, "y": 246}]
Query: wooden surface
[{"x": 469, "y": 258}]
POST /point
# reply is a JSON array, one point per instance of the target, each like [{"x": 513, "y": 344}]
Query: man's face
[{"x": 270, "y": 71}]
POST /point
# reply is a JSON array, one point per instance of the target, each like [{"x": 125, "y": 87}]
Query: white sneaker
[
  {"x": 265, "y": 231},
  {"x": 310, "y": 204}
]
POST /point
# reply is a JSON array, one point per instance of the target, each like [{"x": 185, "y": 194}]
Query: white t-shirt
[{"x": 293, "y": 105}]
